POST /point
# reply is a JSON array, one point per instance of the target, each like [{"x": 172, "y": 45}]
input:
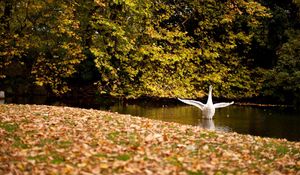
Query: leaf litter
[{"x": 37, "y": 139}]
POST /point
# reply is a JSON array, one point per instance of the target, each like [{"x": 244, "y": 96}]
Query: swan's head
[{"x": 210, "y": 88}]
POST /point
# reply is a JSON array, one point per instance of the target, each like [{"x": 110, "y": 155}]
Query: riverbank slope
[{"x": 62, "y": 140}]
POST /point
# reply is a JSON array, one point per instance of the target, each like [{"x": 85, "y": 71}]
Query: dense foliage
[{"x": 164, "y": 48}]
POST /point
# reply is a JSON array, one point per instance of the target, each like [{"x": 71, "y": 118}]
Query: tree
[
  {"x": 139, "y": 47},
  {"x": 222, "y": 34},
  {"x": 133, "y": 53},
  {"x": 44, "y": 35},
  {"x": 281, "y": 80}
]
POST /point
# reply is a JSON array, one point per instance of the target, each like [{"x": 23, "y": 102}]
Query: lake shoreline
[
  {"x": 110, "y": 100},
  {"x": 66, "y": 140}
]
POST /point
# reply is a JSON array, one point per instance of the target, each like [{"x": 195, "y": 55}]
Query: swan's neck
[{"x": 209, "y": 100}]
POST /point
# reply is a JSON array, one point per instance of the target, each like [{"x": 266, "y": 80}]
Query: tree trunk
[{"x": 5, "y": 18}]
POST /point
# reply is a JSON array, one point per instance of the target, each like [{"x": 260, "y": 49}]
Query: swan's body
[{"x": 208, "y": 109}]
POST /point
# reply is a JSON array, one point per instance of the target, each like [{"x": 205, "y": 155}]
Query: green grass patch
[
  {"x": 39, "y": 158},
  {"x": 294, "y": 152},
  {"x": 69, "y": 122},
  {"x": 36, "y": 113},
  {"x": 59, "y": 144},
  {"x": 130, "y": 139},
  {"x": 133, "y": 140},
  {"x": 208, "y": 135},
  {"x": 195, "y": 172},
  {"x": 123, "y": 157},
  {"x": 9, "y": 127},
  {"x": 174, "y": 161},
  {"x": 107, "y": 118},
  {"x": 113, "y": 136},
  {"x": 100, "y": 155},
  {"x": 18, "y": 143},
  {"x": 45, "y": 117},
  {"x": 64, "y": 144},
  {"x": 57, "y": 158},
  {"x": 281, "y": 149}
]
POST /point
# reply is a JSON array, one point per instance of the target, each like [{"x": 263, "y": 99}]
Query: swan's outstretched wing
[
  {"x": 222, "y": 105},
  {"x": 198, "y": 104}
]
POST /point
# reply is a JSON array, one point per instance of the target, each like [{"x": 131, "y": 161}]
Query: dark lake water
[
  {"x": 277, "y": 122},
  {"x": 267, "y": 122}
]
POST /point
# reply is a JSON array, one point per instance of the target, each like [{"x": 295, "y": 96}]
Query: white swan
[{"x": 208, "y": 109}]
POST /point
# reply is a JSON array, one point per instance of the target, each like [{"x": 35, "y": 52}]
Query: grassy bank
[{"x": 63, "y": 140}]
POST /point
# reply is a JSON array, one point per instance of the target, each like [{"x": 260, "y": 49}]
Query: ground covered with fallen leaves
[{"x": 37, "y": 139}]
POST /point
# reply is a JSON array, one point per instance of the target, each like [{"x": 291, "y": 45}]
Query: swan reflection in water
[
  {"x": 210, "y": 125},
  {"x": 207, "y": 124}
]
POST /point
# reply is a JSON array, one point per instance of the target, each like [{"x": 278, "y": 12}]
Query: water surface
[{"x": 268, "y": 122}]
